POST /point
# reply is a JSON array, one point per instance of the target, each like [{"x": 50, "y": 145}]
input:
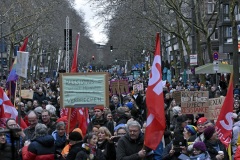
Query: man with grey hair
[
  {"x": 130, "y": 146},
  {"x": 41, "y": 147},
  {"x": 33, "y": 121}
]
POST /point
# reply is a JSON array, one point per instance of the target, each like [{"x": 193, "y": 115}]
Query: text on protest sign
[
  {"x": 215, "y": 105},
  {"x": 139, "y": 86},
  {"x": 83, "y": 89},
  {"x": 119, "y": 87},
  {"x": 27, "y": 94},
  {"x": 194, "y": 102},
  {"x": 22, "y": 63}
]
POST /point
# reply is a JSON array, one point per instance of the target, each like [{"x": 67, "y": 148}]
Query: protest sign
[
  {"x": 194, "y": 102},
  {"x": 215, "y": 105},
  {"x": 139, "y": 86},
  {"x": 27, "y": 94},
  {"x": 177, "y": 96},
  {"x": 22, "y": 63},
  {"x": 84, "y": 89},
  {"x": 119, "y": 87}
]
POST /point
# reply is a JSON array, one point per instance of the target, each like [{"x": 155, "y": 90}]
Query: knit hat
[
  {"x": 99, "y": 107},
  {"x": 202, "y": 120},
  {"x": 176, "y": 110},
  {"x": 191, "y": 129},
  {"x": 234, "y": 116},
  {"x": 208, "y": 132},
  {"x": 200, "y": 146},
  {"x": 129, "y": 105},
  {"x": 75, "y": 136}
]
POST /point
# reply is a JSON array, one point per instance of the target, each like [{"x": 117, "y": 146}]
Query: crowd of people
[{"x": 115, "y": 132}]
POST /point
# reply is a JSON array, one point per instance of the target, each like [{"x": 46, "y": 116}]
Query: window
[
  {"x": 228, "y": 32},
  {"x": 210, "y": 6},
  {"x": 226, "y": 12},
  {"x": 214, "y": 35}
]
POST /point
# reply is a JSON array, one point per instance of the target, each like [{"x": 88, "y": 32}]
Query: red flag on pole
[
  {"x": 224, "y": 122},
  {"x": 76, "y": 115},
  {"x": 155, "y": 104}
]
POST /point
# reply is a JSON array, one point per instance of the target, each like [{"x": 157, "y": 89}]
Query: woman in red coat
[
  {"x": 237, "y": 154},
  {"x": 41, "y": 147}
]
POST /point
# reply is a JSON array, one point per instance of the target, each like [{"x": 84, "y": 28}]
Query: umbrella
[{"x": 209, "y": 69}]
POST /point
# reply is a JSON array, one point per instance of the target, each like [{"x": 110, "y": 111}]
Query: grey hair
[
  {"x": 41, "y": 130},
  {"x": 133, "y": 123},
  {"x": 60, "y": 124}
]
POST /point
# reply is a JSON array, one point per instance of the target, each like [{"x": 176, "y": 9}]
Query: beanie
[
  {"x": 208, "y": 132},
  {"x": 191, "y": 129},
  {"x": 129, "y": 105},
  {"x": 181, "y": 119},
  {"x": 200, "y": 146},
  {"x": 99, "y": 107},
  {"x": 202, "y": 120},
  {"x": 176, "y": 110},
  {"x": 75, "y": 136}
]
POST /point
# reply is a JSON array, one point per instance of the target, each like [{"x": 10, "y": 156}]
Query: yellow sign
[{"x": 87, "y": 89}]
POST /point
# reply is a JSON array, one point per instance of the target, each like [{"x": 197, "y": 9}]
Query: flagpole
[
  {"x": 69, "y": 118},
  {"x": 15, "y": 93},
  {"x": 20, "y": 97}
]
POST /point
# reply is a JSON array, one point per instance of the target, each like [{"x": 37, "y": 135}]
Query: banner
[
  {"x": 119, "y": 87},
  {"x": 22, "y": 63}
]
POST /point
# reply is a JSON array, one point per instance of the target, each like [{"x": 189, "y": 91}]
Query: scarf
[{"x": 60, "y": 141}]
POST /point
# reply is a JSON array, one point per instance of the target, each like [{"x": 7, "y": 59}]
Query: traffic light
[
  {"x": 111, "y": 48},
  {"x": 93, "y": 57}
]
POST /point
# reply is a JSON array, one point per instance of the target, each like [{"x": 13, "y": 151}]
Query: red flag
[
  {"x": 24, "y": 46},
  {"x": 74, "y": 114},
  {"x": 224, "y": 122},
  {"x": 155, "y": 104},
  {"x": 7, "y": 110}
]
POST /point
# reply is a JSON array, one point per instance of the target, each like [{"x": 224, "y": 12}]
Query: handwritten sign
[
  {"x": 215, "y": 105},
  {"x": 194, "y": 102},
  {"x": 139, "y": 86},
  {"x": 27, "y": 94},
  {"x": 87, "y": 89},
  {"x": 119, "y": 87}
]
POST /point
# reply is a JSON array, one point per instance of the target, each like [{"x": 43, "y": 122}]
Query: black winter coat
[
  {"x": 127, "y": 149},
  {"x": 74, "y": 150},
  {"x": 213, "y": 152},
  {"x": 5, "y": 152},
  {"x": 84, "y": 155},
  {"x": 108, "y": 150}
]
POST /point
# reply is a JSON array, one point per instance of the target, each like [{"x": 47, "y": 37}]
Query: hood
[
  {"x": 236, "y": 124},
  {"x": 47, "y": 140}
]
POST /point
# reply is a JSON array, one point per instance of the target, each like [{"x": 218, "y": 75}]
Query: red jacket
[
  {"x": 237, "y": 154},
  {"x": 41, "y": 148}
]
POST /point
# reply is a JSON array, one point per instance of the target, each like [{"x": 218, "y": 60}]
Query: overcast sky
[{"x": 95, "y": 30}]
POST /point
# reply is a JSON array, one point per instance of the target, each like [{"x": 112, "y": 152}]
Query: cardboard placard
[
  {"x": 119, "y": 87},
  {"x": 27, "y": 94},
  {"x": 84, "y": 89},
  {"x": 215, "y": 105},
  {"x": 194, "y": 102},
  {"x": 139, "y": 86},
  {"x": 177, "y": 96}
]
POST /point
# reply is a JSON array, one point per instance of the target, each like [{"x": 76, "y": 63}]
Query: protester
[
  {"x": 41, "y": 147},
  {"x": 99, "y": 120},
  {"x": 89, "y": 149},
  {"x": 214, "y": 146},
  {"x": 105, "y": 144},
  {"x": 5, "y": 148},
  {"x": 130, "y": 146},
  {"x": 189, "y": 131},
  {"x": 75, "y": 141},
  {"x": 33, "y": 121},
  {"x": 46, "y": 119},
  {"x": 235, "y": 132},
  {"x": 60, "y": 137}
]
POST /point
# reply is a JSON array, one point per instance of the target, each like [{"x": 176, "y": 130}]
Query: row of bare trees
[
  {"x": 43, "y": 22},
  {"x": 133, "y": 24}
]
